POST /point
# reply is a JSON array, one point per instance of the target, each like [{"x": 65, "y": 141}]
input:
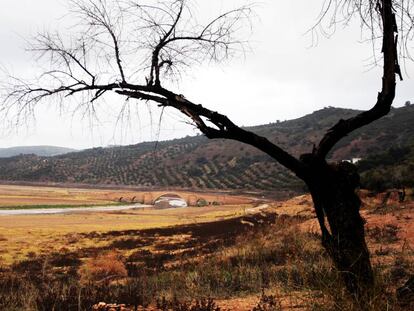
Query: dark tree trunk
[{"x": 333, "y": 189}]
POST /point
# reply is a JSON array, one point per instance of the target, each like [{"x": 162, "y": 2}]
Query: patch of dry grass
[
  {"x": 275, "y": 257},
  {"x": 23, "y": 234},
  {"x": 189, "y": 254},
  {"x": 104, "y": 267}
]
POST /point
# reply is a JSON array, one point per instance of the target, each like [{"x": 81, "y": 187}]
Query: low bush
[{"x": 103, "y": 268}]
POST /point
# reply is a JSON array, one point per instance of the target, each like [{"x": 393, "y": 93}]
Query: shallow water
[{"x": 39, "y": 211}]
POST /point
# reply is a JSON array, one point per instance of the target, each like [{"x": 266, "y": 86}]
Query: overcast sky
[{"x": 281, "y": 77}]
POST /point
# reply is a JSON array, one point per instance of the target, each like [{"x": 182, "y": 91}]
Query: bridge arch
[{"x": 170, "y": 200}]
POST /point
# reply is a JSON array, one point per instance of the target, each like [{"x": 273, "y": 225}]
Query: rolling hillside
[
  {"x": 43, "y": 151},
  {"x": 196, "y": 162}
]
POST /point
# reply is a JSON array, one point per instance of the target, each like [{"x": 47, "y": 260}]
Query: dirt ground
[
  {"x": 394, "y": 214},
  {"x": 389, "y": 230},
  {"x": 150, "y": 235}
]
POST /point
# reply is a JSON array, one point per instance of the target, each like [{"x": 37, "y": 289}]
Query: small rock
[{"x": 102, "y": 306}]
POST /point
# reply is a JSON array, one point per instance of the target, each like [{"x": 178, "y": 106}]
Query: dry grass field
[
  {"x": 247, "y": 256},
  {"x": 14, "y": 195},
  {"x": 41, "y": 234},
  {"x": 22, "y": 235}
]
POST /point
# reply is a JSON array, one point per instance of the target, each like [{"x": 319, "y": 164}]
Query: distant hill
[
  {"x": 43, "y": 151},
  {"x": 196, "y": 162},
  {"x": 393, "y": 168}
]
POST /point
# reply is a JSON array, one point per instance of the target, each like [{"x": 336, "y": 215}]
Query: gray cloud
[{"x": 282, "y": 77}]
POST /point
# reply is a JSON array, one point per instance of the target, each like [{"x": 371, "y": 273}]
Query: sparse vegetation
[
  {"x": 183, "y": 267},
  {"x": 198, "y": 162}
]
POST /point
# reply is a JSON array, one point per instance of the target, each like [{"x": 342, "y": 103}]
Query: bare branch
[
  {"x": 96, "y": 12},
  {"x": 223, "y": 126},
  {"x": 387, "y": 94},
  {"x": 342, "y": 12}
]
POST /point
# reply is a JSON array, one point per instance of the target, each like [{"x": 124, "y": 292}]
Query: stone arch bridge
[{"x": 190, "y": 198}]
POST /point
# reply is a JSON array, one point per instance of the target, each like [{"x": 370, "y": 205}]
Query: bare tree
[{"x": 122, "y": 42}]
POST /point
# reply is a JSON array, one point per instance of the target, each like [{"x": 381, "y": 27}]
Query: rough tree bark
[{"x": 333, "y": 190}]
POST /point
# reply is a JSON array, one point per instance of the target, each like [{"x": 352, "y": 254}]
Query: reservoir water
[{"x": 38, "y": 211}]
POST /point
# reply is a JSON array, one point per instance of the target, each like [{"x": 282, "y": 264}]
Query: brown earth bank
[
  {"x": 19, "y": 195},
  {"x": 258, "y": 257}
]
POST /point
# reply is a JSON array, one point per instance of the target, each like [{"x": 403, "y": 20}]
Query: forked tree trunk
[{"x": 343, "y": 236}]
